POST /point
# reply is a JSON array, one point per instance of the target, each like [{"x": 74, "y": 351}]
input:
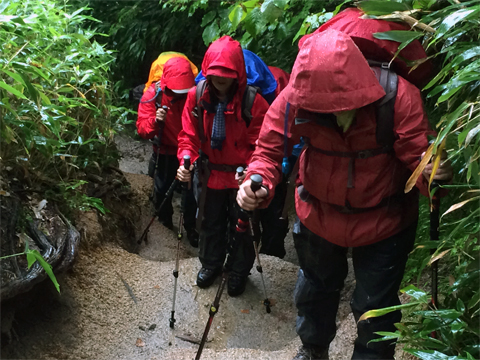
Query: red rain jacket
[
  {"x": 282, "y": 78},
  {"x": 330, "y": 74},
  {"x": 147, "y": 126},
  {"x": 239, "y": 144},
  {"x": 350, "y": 22}
]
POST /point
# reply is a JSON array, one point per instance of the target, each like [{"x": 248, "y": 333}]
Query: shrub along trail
[{"x": 116, "y": 304}]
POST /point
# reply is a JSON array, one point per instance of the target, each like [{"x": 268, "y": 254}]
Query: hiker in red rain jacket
[
  {"x": 227, "y": 142},
  {"x": 274, "y": 222},
  {"x": 164, "y": 125},
  {"x": 282, "y": 78},
  {"x": 350, "y": 190}
]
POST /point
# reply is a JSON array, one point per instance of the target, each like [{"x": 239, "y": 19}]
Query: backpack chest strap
[{"x": 361, "y": 154}]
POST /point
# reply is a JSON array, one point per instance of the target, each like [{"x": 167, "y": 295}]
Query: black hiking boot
[
  {"x": 192, "y": 236},
  {"x": 236, "y": 284},
  {"x": 310, "y": 353},
  {"x": 206, "y": 277}
]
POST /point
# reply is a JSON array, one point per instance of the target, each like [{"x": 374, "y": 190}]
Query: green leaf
[
  {"x": 432, "y": 355},
  {"x": 416, "y": 293},
  {"x": 270, "y": 10},
  {"x": 210, "y": 33},
  {"x": 14, "y": 76},
  {"x": 387, "y": 310},
  {"x": 31, "y": 89},
  {"x": 302, "y": 31},
  {"x": 236, "y": 16},
  {"x": 443, "y": 314},
  {"x": 208, "y": 18},
  {"x": 255, "y": 22},
  {"x": 46, "y": 266},
  {"x": 381, "y": 7},
  {"x": 12, "y": 90},
  {"x": 398, "y": 35},
  {"x": 385, "y": 335},
  {"x": 45, "y": 99},
  {"x": 466, "y": 55},
  {"x": 452, "y": 19},
  {"x": 475, "y": 171},
  {"x": 451, "y": 120}
]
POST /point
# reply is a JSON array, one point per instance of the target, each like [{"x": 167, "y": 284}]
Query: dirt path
[{"x": 95, "y": 316}]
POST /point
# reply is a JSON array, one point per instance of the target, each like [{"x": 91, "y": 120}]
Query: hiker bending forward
[
  {"x": 350, "y": 189},
  {"x": 164, "y": 125},
  {"x": 221, "y": 142}
]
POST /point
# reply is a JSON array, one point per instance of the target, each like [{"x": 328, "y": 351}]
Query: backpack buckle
[
  {"x": 364, "y": 154},
  {"x": 194, "y": 112}
]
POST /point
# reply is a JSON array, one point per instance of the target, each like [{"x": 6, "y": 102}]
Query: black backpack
[{"x": 247, "y": 104}]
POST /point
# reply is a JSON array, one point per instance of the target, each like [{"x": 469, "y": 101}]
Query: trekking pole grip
[
  {"x": 186, "y": 162},
  {"x": 240, "y": 171},
  {"x": 257, "y": 182}
]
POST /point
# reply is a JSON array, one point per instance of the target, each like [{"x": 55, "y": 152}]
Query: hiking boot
[
  {"x": 236, "y": 284},
  {"x": 192, "y": 236},
  {"x": 310, "y": 353},
  {"x": 206, "y": 277}
]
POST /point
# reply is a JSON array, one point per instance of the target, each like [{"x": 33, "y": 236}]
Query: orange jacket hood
[{"x": 330, "y": 74}]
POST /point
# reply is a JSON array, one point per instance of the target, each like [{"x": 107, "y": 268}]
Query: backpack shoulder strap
[
  {"x": 200, "y": 89},
  {"x": 385, "y": 107},
  {"x": 247, "y": 103}
]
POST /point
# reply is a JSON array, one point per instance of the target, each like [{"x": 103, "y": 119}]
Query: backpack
[
  {"x": 384, "y": 107},
  {"x": 247, "y": 104},
  {"x": 384, "y": 114}
]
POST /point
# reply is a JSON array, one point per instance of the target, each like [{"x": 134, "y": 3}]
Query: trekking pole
[
  {"x": 240, "y": 228},
  {"x": 161, "y": 125},
  {"x": 256, "y": 185},
  {"x": 435, "y": 236},
  {"x": 152, "y": 197},
  {"x": 168, "y": 195},
  {"x": 186, "y": 164}
]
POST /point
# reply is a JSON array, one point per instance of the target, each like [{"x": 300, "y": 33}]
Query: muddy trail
[{"x": 116, "y": 301}]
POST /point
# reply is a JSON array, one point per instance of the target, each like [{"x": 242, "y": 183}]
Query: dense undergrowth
[{"x": 57, "y": 108}]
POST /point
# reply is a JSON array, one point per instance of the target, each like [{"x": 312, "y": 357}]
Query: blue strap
[
  {"x": 285, "y": 162},
  {"x": 154, "y": 97}
]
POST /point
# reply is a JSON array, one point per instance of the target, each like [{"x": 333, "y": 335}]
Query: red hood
[
  {"x": 330, "y": 74},
  {"x": 177, "y": 75},
  {"x": 361, "y": 31},
  {"x": 282, "y": 78},
  {"x": 225, "y": 55}
]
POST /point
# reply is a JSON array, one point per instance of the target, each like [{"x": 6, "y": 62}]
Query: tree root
[{"x": 60, "y": 256}]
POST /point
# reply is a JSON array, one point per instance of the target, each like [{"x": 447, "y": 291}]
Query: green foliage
[
  {"x": 34, "y": 255},
  {"x": 266, "y": 27},
  {"x": 75, "y": 198},
  {"x": 453, "y": 100},
  {"x": 140, "y": 30},
  {"x": 55, "y": 97},
  {"x": 456, "y": 328}
]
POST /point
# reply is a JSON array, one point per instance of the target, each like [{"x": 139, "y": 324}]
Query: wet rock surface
[{"x": 116, "y": 304}]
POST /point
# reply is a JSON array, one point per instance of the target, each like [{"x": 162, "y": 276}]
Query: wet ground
[{"x": 116, "y": 304}]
